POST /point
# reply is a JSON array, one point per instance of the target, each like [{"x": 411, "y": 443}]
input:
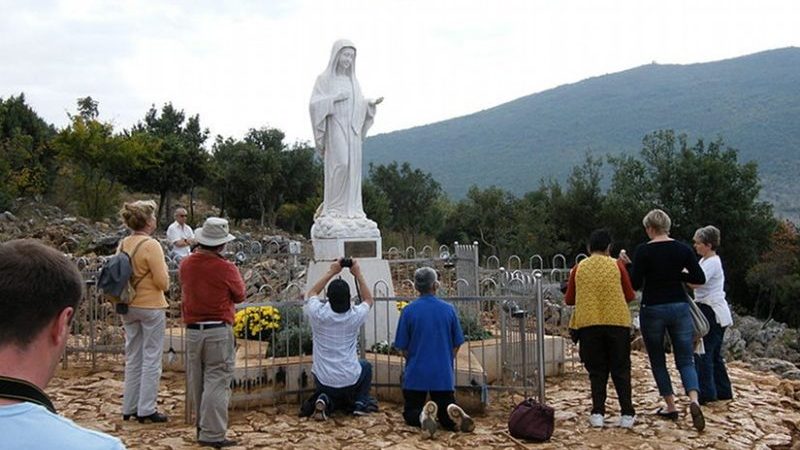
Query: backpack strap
[
  {"x": 132, "y": 255},
  {"x": 16, "y": 389}
]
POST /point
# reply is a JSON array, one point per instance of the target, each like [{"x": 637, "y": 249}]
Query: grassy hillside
[{"x": 753, "y": 102}]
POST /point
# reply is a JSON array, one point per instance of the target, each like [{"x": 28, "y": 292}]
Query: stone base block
[
  {"x": 382, "y": 320},
  {"x": 361, "y": 248}
]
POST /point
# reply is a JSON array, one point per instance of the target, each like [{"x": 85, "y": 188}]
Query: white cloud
[{"x": 252, "y": 63}]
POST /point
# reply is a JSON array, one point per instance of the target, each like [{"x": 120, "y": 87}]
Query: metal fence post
[
  {"x": 475, "y": 257},
  {"x": 540, "y": 334},
  {"x": 524, "y": 344}
]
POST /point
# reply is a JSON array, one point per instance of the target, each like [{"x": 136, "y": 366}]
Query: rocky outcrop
[{"x": 765, "y": 345}]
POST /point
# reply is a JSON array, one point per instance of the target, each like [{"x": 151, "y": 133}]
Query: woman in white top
[{"x": 711, "y": 371}]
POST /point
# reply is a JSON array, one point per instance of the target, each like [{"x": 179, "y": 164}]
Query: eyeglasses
[{"x": 181, "y": 215}]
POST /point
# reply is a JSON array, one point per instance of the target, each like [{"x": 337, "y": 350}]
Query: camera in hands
[{"x": 346, "y": 262}]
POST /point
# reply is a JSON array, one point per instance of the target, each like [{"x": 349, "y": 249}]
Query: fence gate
[{"x": 467, "y": 272}]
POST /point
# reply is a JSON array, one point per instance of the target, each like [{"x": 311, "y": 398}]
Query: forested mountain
[{"x": 752, "y": 102}]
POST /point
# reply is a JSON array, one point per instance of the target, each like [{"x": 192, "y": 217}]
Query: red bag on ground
[{"x": 532, "y": 421}]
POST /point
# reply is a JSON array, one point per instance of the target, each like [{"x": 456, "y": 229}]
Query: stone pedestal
[
  {"x": 360, "y": 239},
  {"x": 362, "y": 248},
  {"x": 382, "y": 320}
]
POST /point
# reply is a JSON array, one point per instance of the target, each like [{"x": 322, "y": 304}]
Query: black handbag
[{"x": 532, "y": 421}]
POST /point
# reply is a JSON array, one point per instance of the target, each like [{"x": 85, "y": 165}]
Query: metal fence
[
  {"x": 505, "y": 350},
  {"x": 513, "y": 317}
]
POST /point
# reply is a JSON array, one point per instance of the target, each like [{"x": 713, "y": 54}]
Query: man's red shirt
[{"x": 210, "y": 286}]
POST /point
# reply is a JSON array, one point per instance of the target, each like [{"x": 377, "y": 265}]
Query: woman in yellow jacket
[
  {"x": 145, "y": 320},
  {"x": 600, "y": 289}
]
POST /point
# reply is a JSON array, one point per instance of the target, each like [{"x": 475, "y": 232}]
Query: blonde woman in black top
[{"x": 660, "y": 268}]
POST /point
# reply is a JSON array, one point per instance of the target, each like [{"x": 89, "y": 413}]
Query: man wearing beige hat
[{"x": 210, "y": 285}]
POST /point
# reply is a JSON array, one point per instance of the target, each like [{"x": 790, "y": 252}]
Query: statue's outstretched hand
[{"x": 377, "y": 101}]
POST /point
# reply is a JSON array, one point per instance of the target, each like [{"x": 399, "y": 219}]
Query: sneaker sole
[
  {"x": 428, "y": 424},
  {"x": 467, "y": 424},
  {"x": 464, "y": 422},
  {"x": 600, "y": 424},
  {"x": 428, "y": 427},
  {"x": 319, "y": 411},
  {"x": 698, "y": 421}
]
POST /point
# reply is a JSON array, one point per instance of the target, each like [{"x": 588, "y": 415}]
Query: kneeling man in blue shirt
[{"x": 429, "y": 335}]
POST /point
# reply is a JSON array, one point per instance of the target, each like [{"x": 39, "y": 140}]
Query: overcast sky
[{"x": 245, "y": 64}]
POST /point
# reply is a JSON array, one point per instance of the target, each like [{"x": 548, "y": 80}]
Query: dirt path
[{"x": 764, "y": 414}]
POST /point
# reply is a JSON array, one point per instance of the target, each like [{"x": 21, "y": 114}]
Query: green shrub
[
  {"x": 472, "y": 327},
  {"x": 288, "y": 342}
]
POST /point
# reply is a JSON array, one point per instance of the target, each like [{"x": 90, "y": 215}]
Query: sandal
[{"x": 669, "y": 415}]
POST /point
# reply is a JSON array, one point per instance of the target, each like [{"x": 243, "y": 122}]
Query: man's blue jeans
[
  {"x": 711, "y": 371},
  {"x": 675, "y": 319},
  {"x": 348, "y": 397}
]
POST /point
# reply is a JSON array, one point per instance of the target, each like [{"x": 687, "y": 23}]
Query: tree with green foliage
[
  {"x": 94, "y": 160},
  {"x": 300, "y": 188},
  {"x": 239, "y": 171},
  {"x": 28, "y": 163},
  {"x": 485, "y": 216},
  {"x": 776, "y": 277},
  {"x": 264, "y": 158},
  {"x": 579, "y": 210},
  {"x": 260, "y": 177},
  {"x": 696, "y": 185},
  {"x": 413, "y": 199},
  {"x": 536, "y": 230},
  {"x": 376, "y": 203},
  {"x": 180, "y": 162}
]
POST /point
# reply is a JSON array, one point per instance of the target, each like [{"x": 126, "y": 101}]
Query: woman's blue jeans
[
  {"x": 675, "y": 319},
  {"x": 711, "y": 371}
]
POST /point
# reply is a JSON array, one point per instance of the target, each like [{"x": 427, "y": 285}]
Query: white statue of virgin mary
[{"x": 340, "y": 117}]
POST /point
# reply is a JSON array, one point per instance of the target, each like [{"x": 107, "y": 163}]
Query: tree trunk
[
  {"x": 263, "y": 209},
  {"x": 167, "y": 207},
  {"x": 161, "y": 195},
  {"x": 191, "y": 204}
]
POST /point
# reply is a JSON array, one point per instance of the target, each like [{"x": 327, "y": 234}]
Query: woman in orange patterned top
[{"x": 600, "y": 289}]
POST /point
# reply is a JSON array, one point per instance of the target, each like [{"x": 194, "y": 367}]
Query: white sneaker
[
  {"x": 463, "y": 421},
  {"x": 320, "y": 407},
  {"x": 596, "y": 420},
  {"x": 626, "y": 421},
  {"x": 427, "y": 420}
]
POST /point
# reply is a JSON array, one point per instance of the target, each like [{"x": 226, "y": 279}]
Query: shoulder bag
[{"x": 532, "y": 421}]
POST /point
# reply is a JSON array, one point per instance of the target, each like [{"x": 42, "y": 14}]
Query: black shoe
[
  {"x": 307, "y": 408},
  {"x": 698, "y": 421},
  {"x": 156, "y": 417},
  {"x": 669, "y": 415},
  {"x": 321, "y": 407},
  {"x": 372, "y": 405},
  {"x": 218, "y": 444},
  {"x": 125, "y": 417},
  {"x": 372, "y": 408},
  {"x": 360, "y": 409}
]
